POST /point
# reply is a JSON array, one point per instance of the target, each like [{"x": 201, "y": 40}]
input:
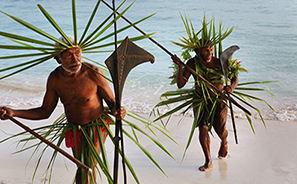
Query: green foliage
[
  {"x": 206, "y": 36},
  {"x": 186, "y": 99},
  {"x": 235, "y": 68},
  {"x": 57, "y": 131}
]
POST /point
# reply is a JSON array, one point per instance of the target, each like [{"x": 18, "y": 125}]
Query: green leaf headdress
[
  {"x": 206, "y": 36},
  {"x": 90, "y": 41}
]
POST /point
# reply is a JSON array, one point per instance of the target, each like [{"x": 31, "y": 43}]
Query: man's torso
[
  {"x": 79, "y": 96},
  {"x": 214, "y": 64}
]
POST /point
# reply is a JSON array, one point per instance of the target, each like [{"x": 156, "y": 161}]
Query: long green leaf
[
  {"x": 134, "y": 126},
  {"x": 36, "y": 63},
  {"x": 119, "y": 31},
  {"x": 119, "y": 42},
  {"x": 87, "y": 40},
  {"x": 26, "y": 55},
  {"x": 250, "y": 105},
  {"x": 74, "y": 22},
  {"x": 22, "y": 64},
  {"x": 101, "y": 143},
  {"x": 33, "y": 28},
  {"x": 56, "y": 26},
  {"x": 177, "y": 92},
  {"x": 174, "y": 100},
  {"x": 111, "y": 136},
  {"x": 14, "y": 47},
  {"x": 174, "y": 110},
  {"x": 26, "y": 39},
  {"x": 97, "y": 157},
  {"x": 108, "y": 25},
  {"x": 90, "y": 21},
  {"x": 257, "y": 82},
  {"x": 148, "y": 123},
  {"x": 145, "y": 152}
]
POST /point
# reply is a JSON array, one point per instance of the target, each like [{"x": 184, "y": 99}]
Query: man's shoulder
[
  {"x": 53, "y": 78},
  {"x": 191, "y": 62},
  {"x": 216, "y": 61},
  {"x": 92, "y": 71},
  {"x": 56, "y": 72},
  {"x": 90, "y": 67}
]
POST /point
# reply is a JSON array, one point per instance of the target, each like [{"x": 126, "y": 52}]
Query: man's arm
[
  {"x": 106, "y": 93},
  {"x": 50, "y": 101},
  {"x": 234, "y": 82},
  {"x": 182, "y": 75}
]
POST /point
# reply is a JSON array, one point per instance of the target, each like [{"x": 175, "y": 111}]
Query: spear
[
  {"x": 224, "y": 57},
  {"x": 118, "y": 127},
  {"x": 76, "y": 161},
  {"x": 193, "y": 72},
  {"x": 120, "y": 63}
]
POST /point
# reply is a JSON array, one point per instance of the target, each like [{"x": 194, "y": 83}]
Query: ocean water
[{"x": 265, "y": 31}]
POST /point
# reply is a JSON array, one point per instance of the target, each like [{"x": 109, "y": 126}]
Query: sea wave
[{"x": 144, "y": 102}]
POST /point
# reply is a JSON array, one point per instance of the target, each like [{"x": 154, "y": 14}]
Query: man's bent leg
[
  {"x": 205, "y": 144},
  {"x": 78, "y": 176}
]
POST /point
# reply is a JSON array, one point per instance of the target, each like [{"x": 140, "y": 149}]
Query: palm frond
[
  {"x": 123, "y": 29},
  {"x": 26, "y": 39},
  {"x": 35, "y": 29},
  {"x": 90, "y": 21},
  {"x": 74, "y": 22},
  {"x": 56, "y": 26},
  {"x": 38, "y": 61},
  {"x": 94, "y": 35}
]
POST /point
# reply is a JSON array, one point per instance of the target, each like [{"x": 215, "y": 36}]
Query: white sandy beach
[{"x": 268, "y": 157}]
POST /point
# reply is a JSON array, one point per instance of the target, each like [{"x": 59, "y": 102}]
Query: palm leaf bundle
[
  {"x": 186, "y": 99},
  {"x": 206, "y": 36},
  {"x": 91, "y": 41}
]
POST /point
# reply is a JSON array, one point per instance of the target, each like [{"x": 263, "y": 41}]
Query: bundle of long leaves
[
  {"x": 184, "y": 100},
  {"x": 91, "y": 41},
  {"x": 206, "y": 36}
]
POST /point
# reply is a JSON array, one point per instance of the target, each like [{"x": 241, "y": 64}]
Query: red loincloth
[{"x": 69, "y": 138}]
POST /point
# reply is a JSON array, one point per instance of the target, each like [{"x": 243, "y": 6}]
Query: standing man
[
  {"x": 205, "y": 62},
  {"x": 82, "y": 89}
]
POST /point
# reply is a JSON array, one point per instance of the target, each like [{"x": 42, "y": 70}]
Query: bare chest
[{"x": 79, "y": 90}]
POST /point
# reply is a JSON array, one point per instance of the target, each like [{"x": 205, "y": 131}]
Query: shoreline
[{"x": 267, "y": 157}]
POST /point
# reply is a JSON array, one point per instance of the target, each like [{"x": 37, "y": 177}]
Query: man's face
[
  {"x": 71, "y": 60},
  {"x": 206, "y": 53}
]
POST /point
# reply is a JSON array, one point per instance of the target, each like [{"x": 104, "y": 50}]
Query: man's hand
[
  {"x": 5, "y": 111},
  {"x": 229, "y": 89},
  {"x": 119, "y": 113},
  {"x": 176, "y": 60}
]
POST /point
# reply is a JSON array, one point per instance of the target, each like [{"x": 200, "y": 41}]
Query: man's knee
[{"x": 203, "y": 128}]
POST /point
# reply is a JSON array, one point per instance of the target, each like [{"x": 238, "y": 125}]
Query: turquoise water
[{"x": 265, "y": 31}]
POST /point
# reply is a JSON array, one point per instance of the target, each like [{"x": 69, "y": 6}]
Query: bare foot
[
  {"x": 207, "y": 166},
  {"x": 223, "y": 152}
]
